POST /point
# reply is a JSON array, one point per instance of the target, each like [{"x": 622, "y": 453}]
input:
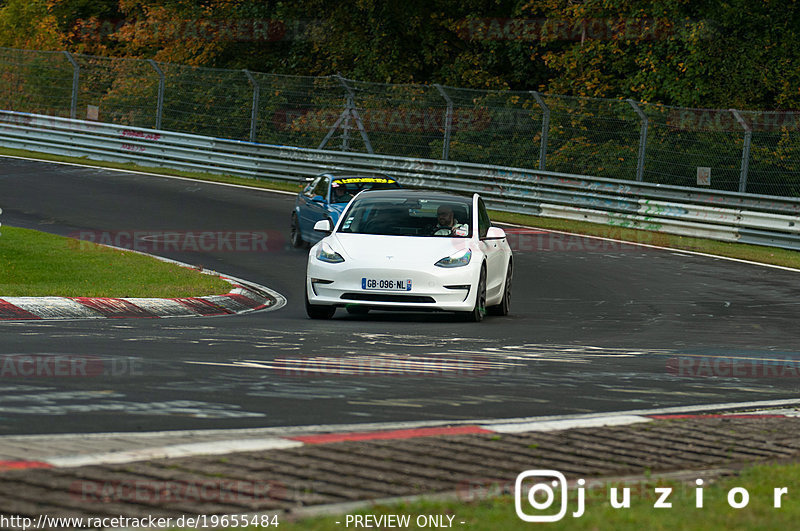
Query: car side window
[
  {"x": 483, "y": 219},
  {"x": 309, "y": 191},
  {"x": 322, "y": 187}
]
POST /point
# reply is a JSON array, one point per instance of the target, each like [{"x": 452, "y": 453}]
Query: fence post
[
  {"x": 748, "y": 138},
  {"x": 73, "y": 107},
  {"x": 545, "y": 129},
  {"x": 351, "y": 110},
  {"x": 254, "y": 110},
  {"x": 448, "y": 122},
  {"x": 160, "y": 100},
  {"x": 642, "y": 140},
  {"x": 346, "y": 129}
]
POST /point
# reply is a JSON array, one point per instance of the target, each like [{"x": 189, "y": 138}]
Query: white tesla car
[{"x": 410, "y": 249}]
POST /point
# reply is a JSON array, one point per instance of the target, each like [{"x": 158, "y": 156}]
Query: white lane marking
[
  {"x": 657, "y": 411},
  {"x": 120, "y": 170},
  {"x": 782, "y": 412},
  {"x": 566, "y": 424},
  {"x": 173, "y": 451},
  {"x": 650, "y": 246}
]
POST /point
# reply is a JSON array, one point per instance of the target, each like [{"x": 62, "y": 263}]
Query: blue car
[{"x": 325, "y": 197}]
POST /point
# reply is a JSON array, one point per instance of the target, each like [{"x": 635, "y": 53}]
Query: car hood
[{"x": 411, "y": 250}]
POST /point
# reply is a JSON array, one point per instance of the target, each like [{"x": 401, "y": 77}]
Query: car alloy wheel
[
  {"x": 316, "y": 311},
  {"x": 296, "y": 236},
  {"x": 479, "y": 310},
  {"x": 505, "y": 303}
]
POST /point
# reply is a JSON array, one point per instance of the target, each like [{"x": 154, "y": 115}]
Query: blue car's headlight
[
  {"x": 457, "y": 259},
  {"x": 326, "y": 254}
]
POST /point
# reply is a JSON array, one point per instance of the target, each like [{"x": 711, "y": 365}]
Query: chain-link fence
[{"x": 745, "y": 151}]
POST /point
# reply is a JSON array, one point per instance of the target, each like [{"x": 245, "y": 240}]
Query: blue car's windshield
[{"x": 409, "y": 217}]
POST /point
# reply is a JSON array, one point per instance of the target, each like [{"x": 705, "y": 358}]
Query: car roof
[
  {"x": 416, "y": 194},
  {"x": 363, "y": 179},
  {"x": 340, "y": 174}
]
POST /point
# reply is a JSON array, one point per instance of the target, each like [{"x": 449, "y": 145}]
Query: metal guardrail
[{"x": 728, "y": 216}]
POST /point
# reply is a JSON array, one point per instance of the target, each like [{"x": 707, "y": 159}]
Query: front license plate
[{"x": 386, "y": 284}]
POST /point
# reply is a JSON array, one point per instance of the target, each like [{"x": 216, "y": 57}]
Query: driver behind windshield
[
  {"x": 447, "y": 224},
  {"x": 340, "y": 194}
]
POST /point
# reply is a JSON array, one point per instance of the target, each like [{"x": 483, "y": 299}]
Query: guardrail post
[
  {"x": 642, "y": 140},
  {"x": 448, "y": 122},
  {"x": 254, "y": 110},
  {"x": 545, "y": 129},
  {"x": 160, "y": 100},
  {"x": 351, "y": 104},
  {"x": 748, "y": 138},
  {"x": 76, "y": 69}
]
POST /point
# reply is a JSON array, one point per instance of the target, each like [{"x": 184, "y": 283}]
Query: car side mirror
[
  {"x": 323, "y": 225},
  {"x": 495, "y": 233},
  {"x": 318, "y": 199}
]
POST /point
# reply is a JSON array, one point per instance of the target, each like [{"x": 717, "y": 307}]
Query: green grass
[
  {"x": 755, "y": 253},
  {"x": 499, "y": 513},
  {"x": 34, "y": 263}
]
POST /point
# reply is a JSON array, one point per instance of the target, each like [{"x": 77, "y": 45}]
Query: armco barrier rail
[{"x": 728, "y": 216}]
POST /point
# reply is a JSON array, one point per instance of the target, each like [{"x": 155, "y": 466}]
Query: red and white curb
[
  {"x": 243, "y": 298},
  {"x": 316, "y": 435}
]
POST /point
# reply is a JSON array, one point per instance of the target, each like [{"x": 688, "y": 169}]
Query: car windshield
[
  {"x": 343, "y": 189},
  {"x": 446, "y": 217}
]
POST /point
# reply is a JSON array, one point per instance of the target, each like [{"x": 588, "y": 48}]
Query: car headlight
[
  {"x": 326, "y": 254},
  {"x": 457, "y": 259}
]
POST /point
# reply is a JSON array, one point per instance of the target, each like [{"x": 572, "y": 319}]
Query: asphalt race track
[{"x": 595, "y": 326}]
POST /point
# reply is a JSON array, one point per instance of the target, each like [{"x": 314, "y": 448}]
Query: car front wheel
[
  {"x": 316, "y": 311},
  {"x": 295, "y": 235},
  {"x": 505, "y": 302},
  {"x": 479, "y": 310}
]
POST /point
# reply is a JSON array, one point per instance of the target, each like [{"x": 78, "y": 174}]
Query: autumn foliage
[{"x": 741, "y": 53}]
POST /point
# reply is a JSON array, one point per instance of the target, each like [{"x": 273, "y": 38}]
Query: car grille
[{"x": 387, "y": 297}]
